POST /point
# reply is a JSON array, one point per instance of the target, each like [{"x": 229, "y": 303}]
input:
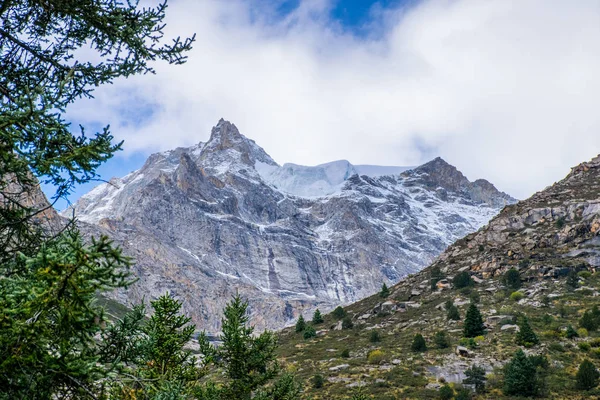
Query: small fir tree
[
  {"x": 167, "y": 332},
  {"x": 571, "y": 332},
  {"x": 317, "y": 317},
  {"x": 473, "y": 323},
  {"x": 347, "y": 323},
  {"x": 418, "y": 343},
  {"x": 463, "y": 280},
  {"x": 572, "y": 280},
  {"x": 249, "y": 362},
  {"x": 441, "y": 340},
  {"x": 446, "y": 393},
  {"x": 512, "y": 279},
  {"x": 300, "y": 324},
  {"x": 318, "y": 381},
  {"x": 453, "y": 313},
  {"x": 526, "y": 336},
  {"x": 476, "y": 377},
  {"x": 587, "y": 376},
  {"x": 463, "y": 394},
  {"x": 520, "y": 376},
  {"x": 309, "y": 332},
  {"x": 375, "y": 336},
  {"x": 339, "y": 312},
  {"x": 589, "y": 321},
  {"x": 385, "y": 292}
]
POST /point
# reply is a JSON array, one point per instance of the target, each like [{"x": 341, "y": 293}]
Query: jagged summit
[
  {"x": 225, "y": 138},
  {"x": 218, "y": 217},
  {"x": 438, "y": 175}
]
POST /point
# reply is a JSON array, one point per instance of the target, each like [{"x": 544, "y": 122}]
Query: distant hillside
[{"x": 552, "y": 240}]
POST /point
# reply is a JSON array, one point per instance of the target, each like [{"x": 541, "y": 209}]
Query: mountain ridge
[{"x": 223, "y": 216}]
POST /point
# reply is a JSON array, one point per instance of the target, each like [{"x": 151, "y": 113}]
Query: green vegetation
[
  {"x": 317, "y": 317},
  {"x": 375, "y": 337},
  {"x": 512, "y": 279},
  {"x": 385, "y": 292},
  {"x": 516, "y": 296},
  {"x": 318, "y": 381},
  {"x": 453, "y": 313},
  {"x": 50, "y": 319},
  {"x": 446, "y": 393},
  {"x": 418, "y": 343},
  {"x": 473, "y": 323},
  {"x": 526, "y": 336},
  {"x": 309, "y": 332},
  {"x": 463, "y": 280},
  {"x": 375, "y": 357},
  {"x": 587, "y": 376},
  {"x": 590, "y": 319},
  {"x": 572, "y": 280},
  {"x": 441, "y": 340},
  {"x": 300, "y": 324},
  {"x": 476, "y": 377},
  {"x": 347, "y": 323},
  {"x": 520, "y": 376},
  {"x": 339, "y": 312}
]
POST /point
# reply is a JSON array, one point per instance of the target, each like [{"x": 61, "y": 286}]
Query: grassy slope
[{"x": 389, "y": 381}]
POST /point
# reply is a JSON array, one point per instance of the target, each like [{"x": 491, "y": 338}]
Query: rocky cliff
[{"x": 206, "y": 221}]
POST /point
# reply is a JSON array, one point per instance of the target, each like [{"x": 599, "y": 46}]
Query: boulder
[{"x": 462, "y": 351}]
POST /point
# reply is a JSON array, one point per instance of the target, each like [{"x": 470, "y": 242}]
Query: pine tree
[
  {"x": 572, "y": 280},
  {"x": 249, "y": 362},
  {"x": 453, "y": 313},
  {"x": 520, "y": 376},
  {"x": 441, "y": 340},
  {"x": 463, "y": 394},
  {"x": 587, "y": 376},
  {"x": 152, "y": 352},
  {"x": 309, "y": 332},
  {"x": 49, "y": 317},
  {"x": 590, "y": 320},
  {"x": 317, "y": 317},
  {"x": 462, "y": 280},
  {"x": 473, "y": 323},
  {"x": 339, "y": 312},
  {"x": 347, "y": 323},
  {"x": 300, "y": 324},
  {"x": 446, "y": 393},
  {"x": 526, "y": 336},
  {"x": 512, "y": 279},
  {"x": 385, "y": 292},
  {"x": 475, "y": 376},
  {"x": 167, "y": 332},
  {"x": 418, "y": 343},
  {"x": 571, "y": 332}
]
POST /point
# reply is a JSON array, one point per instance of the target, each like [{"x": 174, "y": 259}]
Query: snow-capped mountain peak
[{"x": 222, "y": 217}]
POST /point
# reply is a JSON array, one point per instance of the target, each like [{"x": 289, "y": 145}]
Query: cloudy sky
[{"x": 504, "y": 90}]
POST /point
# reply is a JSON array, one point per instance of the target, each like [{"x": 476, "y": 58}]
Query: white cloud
[{"x": 504, "y": 90}]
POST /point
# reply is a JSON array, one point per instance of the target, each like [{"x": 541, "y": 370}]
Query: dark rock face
[{"x": 222, "y": 217}]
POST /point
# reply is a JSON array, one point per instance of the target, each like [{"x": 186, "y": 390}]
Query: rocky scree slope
[
  {"x": 546, "y": 237},
  {"x": 222, "y": 217}
]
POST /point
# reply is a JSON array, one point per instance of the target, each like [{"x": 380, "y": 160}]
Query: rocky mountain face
[
  {"x": 222, "y": 217},
  {"x": 552, "y": 235}
]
